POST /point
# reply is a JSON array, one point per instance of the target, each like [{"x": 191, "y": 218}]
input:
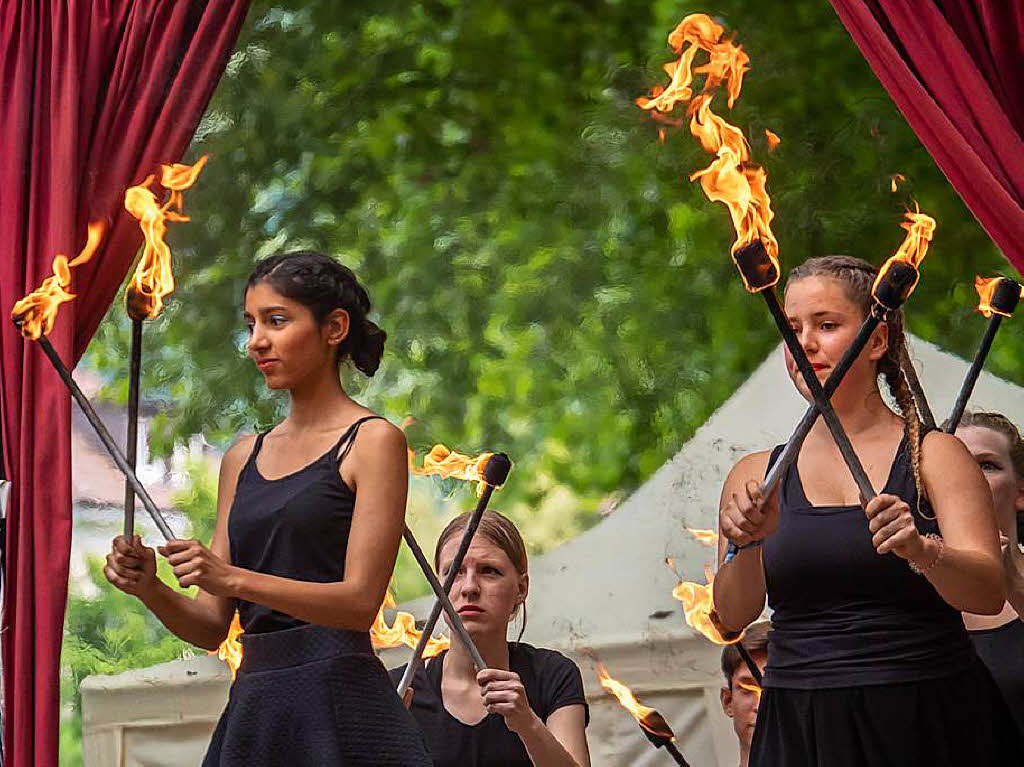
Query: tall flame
[
  {"x": 37, "y": 311},
  {"x": 920, "y": 228},
  {"x": 698, "y": 607},
  {"x": 986, "y": 287},
  {"x": 153, "y": 278},
  {"x": 442, "y": 462},
  {"x": 230, "y": 649},
  {"x": 731, "y": 178},
  {"x": 647, "y": 717},
  {"x": 402, "y": 632}
]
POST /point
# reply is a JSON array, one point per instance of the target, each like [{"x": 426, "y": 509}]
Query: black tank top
[
  {"x": 295, "y": 527},
  {"x": 844, "y": 616},
  {"x": 1002, "y": 650}
]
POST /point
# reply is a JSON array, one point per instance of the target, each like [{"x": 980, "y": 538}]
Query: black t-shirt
[
  {"x": 551, "y": 681},
  {"x": 1002, "y": 651}
]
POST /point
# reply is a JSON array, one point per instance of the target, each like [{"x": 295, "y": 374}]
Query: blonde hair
[{"x": 858, "y": 277}]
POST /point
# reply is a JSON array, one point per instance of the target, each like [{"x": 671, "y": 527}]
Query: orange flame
[
  {"x": 986, "y": 287},
  {"x": 895, "y": 180},
  {"x": 731, "y": 178},
  {"x": 647, "y": 717},
  {"x": 153, "y": 278},
  {"x": 773, "y": 140},
  {"x": 920, "y": 228},
  {"x": 698, "y": 606},
  {"x": 37, "y": 311},
  {"x": 708, "y": 538},
  {"x": 751, "y": 688},
  {"x": 230, "y": 649},
  {"x": 402, "y": 632},
  {"x": 442, "y": 462}
]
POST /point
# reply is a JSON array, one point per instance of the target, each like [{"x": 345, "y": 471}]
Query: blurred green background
[{"x": 551, "y": 283}]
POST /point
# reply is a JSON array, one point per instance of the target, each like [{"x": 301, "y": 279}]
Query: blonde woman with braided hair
[{"x": 869, "y": 662}]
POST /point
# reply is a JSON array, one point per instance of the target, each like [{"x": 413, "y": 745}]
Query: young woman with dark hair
[
  {"x": 868, "y": 659},
  {"x": 309, "y": 519},
  {"x": 997, "y": 446},
  {"x": 527, "y": 708}
]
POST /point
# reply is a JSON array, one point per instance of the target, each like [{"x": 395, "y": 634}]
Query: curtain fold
[
  {"x": 96, "y": 95},
  {"x": 954, "y": 69}
]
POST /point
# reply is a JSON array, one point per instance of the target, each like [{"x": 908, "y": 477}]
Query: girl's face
[
  {"x": 488, "y": 589},
  {"x": 826, "y": 321},
  {"x": 285, "y": 340},
  {"x": 991, "y": 450}
]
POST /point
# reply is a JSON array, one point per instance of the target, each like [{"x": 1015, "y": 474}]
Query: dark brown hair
[
  {"x": 499, "y": 530},
  {"x": 858, "y": 277},
  {"x": 754, "y": 640}
]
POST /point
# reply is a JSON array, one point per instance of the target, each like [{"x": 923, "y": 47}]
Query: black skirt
[
  {"x": 313, "y": 696},
  {"x": 951, "y": 722}
]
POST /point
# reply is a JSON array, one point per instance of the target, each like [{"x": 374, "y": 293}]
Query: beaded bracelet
[{"x": 916, "y": 568}]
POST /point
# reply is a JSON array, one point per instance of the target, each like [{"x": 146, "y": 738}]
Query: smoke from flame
[
  {"x": 731, "y": 178},
  {"x": 647, "y": 717},
  {"x": 37, "y": 311},
  {"x": 153, "y": 278}
]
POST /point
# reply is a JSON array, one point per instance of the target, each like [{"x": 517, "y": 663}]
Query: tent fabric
[
  {"x": 96, "y": 94},
  {"x": 953, "y": 67}
]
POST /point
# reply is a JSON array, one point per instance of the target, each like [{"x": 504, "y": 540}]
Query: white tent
[{"x": 608, "y": 591}]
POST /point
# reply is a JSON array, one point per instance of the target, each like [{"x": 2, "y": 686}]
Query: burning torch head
[
  {"x": 998, "y": 296},
  {"x": 497, "y": 469},
  {"x": 759, "y": 270},
  {"x": 895, "y": 284},
  {"x": 656, "y": 729}
]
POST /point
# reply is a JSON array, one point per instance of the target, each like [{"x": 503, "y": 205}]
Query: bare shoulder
[
  {"x": 937, "y": 447},
  {"x": 381, "y": 435},
  {"x": 236, "y": 456},
  {"x": 750, "y": 466}
]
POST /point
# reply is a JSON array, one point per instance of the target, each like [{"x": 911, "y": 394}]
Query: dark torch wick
[
  {"x": 495, "y": 473},
  {"x": 104, "y": 435}
]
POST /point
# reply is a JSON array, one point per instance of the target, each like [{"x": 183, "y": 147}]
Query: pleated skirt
[
  {"x": 952, "y": 722},
  {"x": 310, "y": 697}
]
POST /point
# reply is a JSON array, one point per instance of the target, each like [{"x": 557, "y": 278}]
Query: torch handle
[
  {"x": 810, "y": 417},
  {"x": 435, "y": 612},
  {"x": 104, "y": 435},
  {"x": 967, "y": 387},
  {"x": 751, "y": 666},
  {"x": 917, "y": 390},
  {"x": 676, "y": 756},
  {"x": 132, "y": 436},
  {"x": 454, "y": 620},
  {"x": 821, "y": 401}
]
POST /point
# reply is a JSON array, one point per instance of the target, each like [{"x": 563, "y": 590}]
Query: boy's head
[{"x": 741, "y": 693}]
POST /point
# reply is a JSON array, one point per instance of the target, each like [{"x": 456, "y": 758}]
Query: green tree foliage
[{"x": 551, "y": 282}]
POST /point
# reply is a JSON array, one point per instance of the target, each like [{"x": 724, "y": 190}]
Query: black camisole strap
[{"x": 341, "y": 449}]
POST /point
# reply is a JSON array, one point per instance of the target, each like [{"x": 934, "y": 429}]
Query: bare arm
[
  {"x": 377, "y": 468},
  {"x": 968, "y": 575},
  {"x": 739, "y": 590}
]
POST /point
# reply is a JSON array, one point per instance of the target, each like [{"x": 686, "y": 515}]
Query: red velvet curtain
[
  {"x": 95, "y": 95},
  {"x": 955, "y": 68}
]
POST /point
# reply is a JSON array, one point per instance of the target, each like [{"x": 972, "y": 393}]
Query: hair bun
[{"x": 366, "y": 350}]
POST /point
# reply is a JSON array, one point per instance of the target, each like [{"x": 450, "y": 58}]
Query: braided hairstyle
[
  {"x": 322, "y": 285},
  {"x": 858, "y": 277}
]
